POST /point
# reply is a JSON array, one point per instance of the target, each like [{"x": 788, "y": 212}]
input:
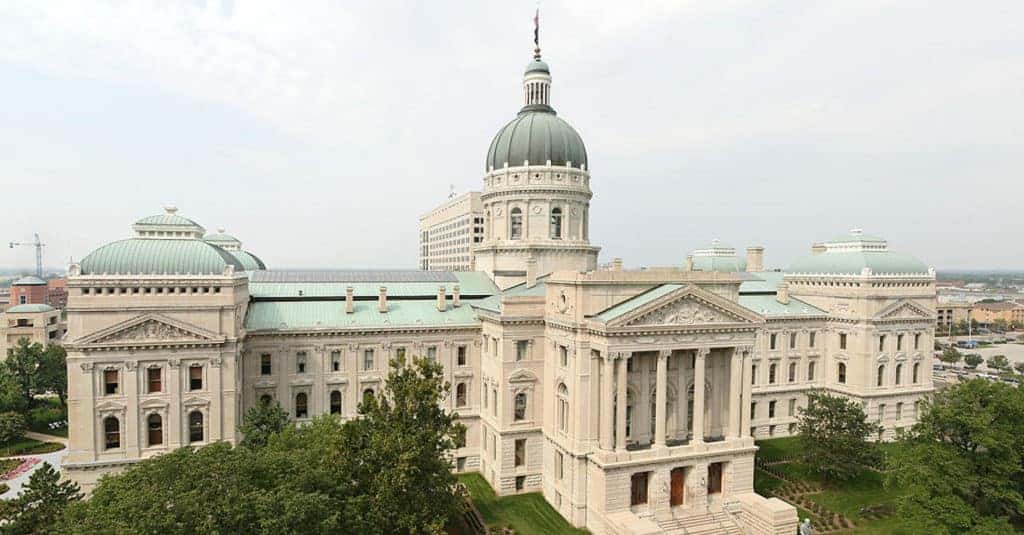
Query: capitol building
[{"x": 630, "y": 398}]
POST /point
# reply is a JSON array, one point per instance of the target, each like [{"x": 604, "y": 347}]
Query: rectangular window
[
  {"x": 771, "y": 409},
  {"x": 771, "y": 341},
  {"x": 638, "y": 489},
  {"x": 810, "y": 339},
  {"x": 432, "y": 353},
  {"x": 881, "y": 412},
  {"x": 195, "y": 377},
  {"x": 368, "y": 359},
  {"x": 753, "y": 411},
  {"x": 559, "y": 466},
  {"x": 520, "y": 452},
  {"x": 715, "y": 477},
  {"x": 521, "y": 347},
  {"x": 792, "y": 407},
  {"x": 842, "y": 340},
  {"x": 792, "y": 340},
  {"x": 461, "y": 355},
  {"x": 881, "y": 343},
  {"x": 899, "y": 342},
  {"x": 110, "y": 383},
  {"x": 917, "y": 341},
  {"x": 300, "y": 362},
  {"x": 335, "y": 361},
  {"x": 563, "y": 355},
  {"x": 265, "y": 364},
  {"x": 520, "y": 483},
  {"x": 154, "y": 379}
]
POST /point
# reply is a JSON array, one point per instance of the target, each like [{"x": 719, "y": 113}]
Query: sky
[{"x": 318, "y": 132}]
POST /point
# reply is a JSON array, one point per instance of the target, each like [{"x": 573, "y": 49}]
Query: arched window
[
  {"x": 301, "y": 405},
  {"x": 842, "y": 373},
  {"x": 266, "y": 399},
  {"x": 881, "y": 375},
  {"x": 460, "y": 395},
  {"x": 155, "y": 429},
  {"x": 810, "y": 371},
  {"x": 367, "y": 394},
  {"x": 335, "y": 402},
  {"x": 899, "y": 373},
  {"x": 556, "y": 223},
  {"x": 563, "y": 408},
  {"x": 771, "y": 374},
  {"x": 195, "y": 426},
  {"x": 916, "y": 370},
  {"x": 792, "y": 372},
  {"x": 516, "y": 224},
  {"x": 111, "y": 433},
  {"x": 519, "y": 413}
]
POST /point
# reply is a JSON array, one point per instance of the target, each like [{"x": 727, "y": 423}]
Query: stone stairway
[{"x": 710, "y": 523}]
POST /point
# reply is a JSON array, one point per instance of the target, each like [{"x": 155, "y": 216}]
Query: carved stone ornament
[
  {"x": 685, "y": 312},
  {"x": 130, "y": 365},
  {"x": 216, "y": 362},
  {"x": 150, "y": 330},
  {"x": 87, "y": 366},
  {"x": 174, "y": 363},
  {"x": 536, "y": 209}
]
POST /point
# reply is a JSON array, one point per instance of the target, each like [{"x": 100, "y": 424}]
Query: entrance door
[
  {"x": 714, "y": 478},
  {"x": 678, "y": 486}
]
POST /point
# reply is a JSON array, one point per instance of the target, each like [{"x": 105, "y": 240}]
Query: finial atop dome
[
  {"x": 220, "y": 230},
  {"x": 170, "y": 208},
  {"x": 536, "y": 34}
]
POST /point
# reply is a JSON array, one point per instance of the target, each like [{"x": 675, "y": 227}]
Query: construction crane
[{"x": 39, "y": 252}]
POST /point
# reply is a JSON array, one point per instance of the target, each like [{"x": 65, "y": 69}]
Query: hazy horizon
[{"x": 318, "y": 132}]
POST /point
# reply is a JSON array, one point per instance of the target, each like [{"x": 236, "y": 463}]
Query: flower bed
[{"x": 22, "y": 467}]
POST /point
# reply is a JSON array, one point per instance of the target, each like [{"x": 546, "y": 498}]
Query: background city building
[{"x": 449, "y": 233}]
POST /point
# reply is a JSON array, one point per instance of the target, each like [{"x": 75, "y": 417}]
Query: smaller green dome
[
  {"x": 31, "y": 308},
  {"x": 537, "y": 66},
  {"x": 248, "y": 260},
  {"x": 220, "y": 237},
  {"x": 29, "y": 281},
  {"x": 143, "y": 256}
]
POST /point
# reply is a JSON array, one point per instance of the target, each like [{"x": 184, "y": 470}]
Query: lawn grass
[
  {"x": 866, "y": 489},
  {"x": 29, "y": 446},
  {"x": 44, "y": 428},
  {"x": 528, "y": 514}
]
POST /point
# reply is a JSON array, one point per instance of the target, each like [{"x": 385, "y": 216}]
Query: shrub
[{"x": 12, "y": 427}]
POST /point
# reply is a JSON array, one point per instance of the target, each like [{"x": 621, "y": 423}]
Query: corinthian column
[
  {"x": 660, "y": 398},
  {"x": 698, "y": 395},
  {"x": 607, "y": 395},
  {"x": 746, "y": 380},
  {"x": 735, "y": 393},
  {"x": 620, "y": 401}
]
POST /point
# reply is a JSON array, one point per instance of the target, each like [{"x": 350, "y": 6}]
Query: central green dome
[{"x": 536, "y": 135}]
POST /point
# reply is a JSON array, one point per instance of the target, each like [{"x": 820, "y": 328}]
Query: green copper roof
[
  {"x": 537, "y": 137},
  {"x": 724, "y": 264},
  {"x": 636, "y": 302},
  {"x": 168, "y": 219},
  {"x": 23, "y": 309},
  {"x": 29, "y": 281},
  {"x": 765, "y": 281},
  {"x": 248, "y": 260},
  {"x": 855, "y": 236},
  {"x": 769, "y": 306},
  {"x": 853, "y": 263},
  {"x": 537, "y": 66},
  {"x": 470, "y": 283},
  {"x": 493, "y": 303},
  {"x": 148, "y": 256},
  {"x": 220, "y": 237},
  {"x": 304, "y": 315}
]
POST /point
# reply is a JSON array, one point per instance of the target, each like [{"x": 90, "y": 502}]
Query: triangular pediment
[
  {"x": 904, "y": 309},
  {"x": 149, "y": 329},
  {"x": 688, "y": 306}
]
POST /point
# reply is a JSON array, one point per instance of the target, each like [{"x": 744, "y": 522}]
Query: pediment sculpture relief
[
  {"x": 150, "y": 330},
  {"x": 685, "y": 312}
]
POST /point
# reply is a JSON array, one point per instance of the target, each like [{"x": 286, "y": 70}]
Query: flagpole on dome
[{"x": 536, "y": 33}]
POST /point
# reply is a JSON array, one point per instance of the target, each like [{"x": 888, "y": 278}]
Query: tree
[
  {"x": 386, "y": 471},
  {"x": 12, "y": 427},
  {"x": 972, "y": 360},
  {"x": 998, "y": 362},
  {"x": 833, "y": 431},
  {"x": 962, "y": 464},
  {"x": 21, "y": 364},
  {"x": 52, "y": 373},
  {"x": 261, "y": 422},
  {"x": 41, "y": 503},
  {"x": 950, "y": 355}
]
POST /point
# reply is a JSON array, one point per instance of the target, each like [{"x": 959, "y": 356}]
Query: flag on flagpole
[{"x": 536, "y": 28}]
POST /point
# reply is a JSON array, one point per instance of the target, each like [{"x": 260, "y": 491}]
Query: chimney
[
  {"x": 817, "y": 248},
  {"x": 441, "y": 305},
  {"x": 755, "y": 258},
  {"x": 531, "y": 272},
  {"x": 382, "y": 299},
  {"x": 616, "y": 264},
  {"x": 689, "y": 262},
  {"x": 456, "y": 298},
  {"x": 350, "y": 305},
  {"x": 782, "y": 293}
]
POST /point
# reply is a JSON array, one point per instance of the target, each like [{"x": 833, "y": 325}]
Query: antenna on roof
[{"x": 451, "y": 191}]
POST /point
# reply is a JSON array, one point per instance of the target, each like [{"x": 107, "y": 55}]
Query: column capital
[
  {"x": 619, "y": 355},
  {"x": 745, "y": 350},
  {"x": 664, "y": 354},
  {"x": 703, "y": 352}
]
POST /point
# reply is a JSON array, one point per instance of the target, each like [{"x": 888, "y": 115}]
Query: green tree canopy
[
  {"x": 950, "y": 355},
  {"x": 963, "y": 462},
  {"x": 386, "y": 471},
  {"x": 998, "y": 362},
  {"x": 973, "y": 360},
  {"x": 833, "y": 431},
  {"x": 261, "y": 422},
  {"x": 41, "y": 503}
]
